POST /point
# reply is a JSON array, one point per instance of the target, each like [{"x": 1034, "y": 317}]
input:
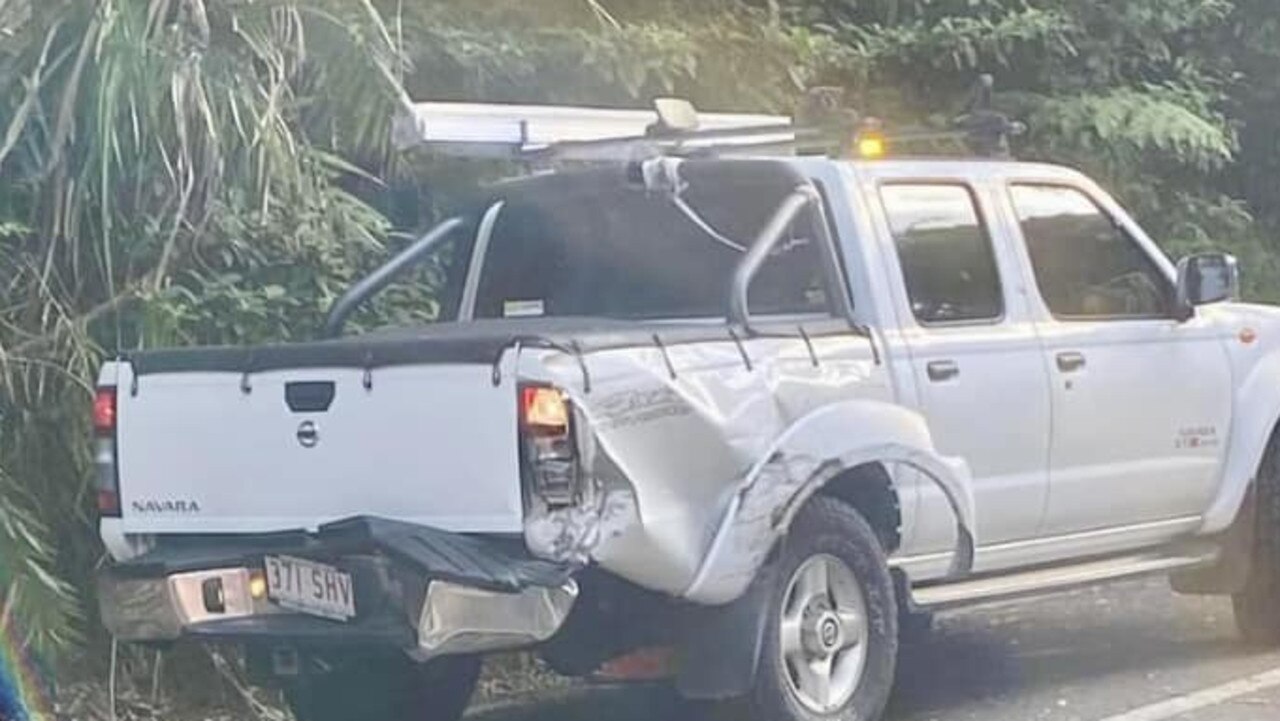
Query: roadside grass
[{"x": 189, "y": 683}]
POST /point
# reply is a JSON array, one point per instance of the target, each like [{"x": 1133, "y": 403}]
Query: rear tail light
[
  {"x": 108, "y": 503},
  {"x": 544, "y": 411},
  {"x": 104, "y": 411},
  {"x": 106, "y": 478},
  {"x": 549, "y": 455}
]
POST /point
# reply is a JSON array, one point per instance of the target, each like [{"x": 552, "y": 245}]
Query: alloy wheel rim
[{"x": 823, "y": 633}]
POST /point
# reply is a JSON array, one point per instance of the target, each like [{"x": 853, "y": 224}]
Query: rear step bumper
[{"x": 416, "y": 588}]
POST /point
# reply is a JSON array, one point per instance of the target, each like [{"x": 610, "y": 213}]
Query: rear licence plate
[{"x": 310, "y": 587}]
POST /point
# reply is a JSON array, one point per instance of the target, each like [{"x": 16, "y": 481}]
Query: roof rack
[{"x": 547, "y": 134}]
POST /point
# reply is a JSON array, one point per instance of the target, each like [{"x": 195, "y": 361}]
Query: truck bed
[{"x": 416, "y": 424}]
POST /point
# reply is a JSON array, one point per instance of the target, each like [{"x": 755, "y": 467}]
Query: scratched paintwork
[{"x": 695, "y": 462}]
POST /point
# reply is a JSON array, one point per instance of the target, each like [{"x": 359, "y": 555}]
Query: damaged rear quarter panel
[
  {"x": 836, "y": 437},
  {"x": 667, "y": 459}
]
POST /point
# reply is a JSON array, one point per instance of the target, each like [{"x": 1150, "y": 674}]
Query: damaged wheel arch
[
  {"x": 735, "y": 573},
  {"x": 801, "y": 463}
]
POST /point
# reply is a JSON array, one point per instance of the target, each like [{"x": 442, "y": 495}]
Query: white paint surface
[
  {"x": 436, "y": 444},
  {"x": 431, "y": 444}
]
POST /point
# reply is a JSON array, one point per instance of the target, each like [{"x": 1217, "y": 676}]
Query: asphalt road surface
[{"x": 1125, "y": 652}]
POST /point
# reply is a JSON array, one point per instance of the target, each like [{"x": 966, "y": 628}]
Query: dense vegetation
[{"x": 195, "y": 171}]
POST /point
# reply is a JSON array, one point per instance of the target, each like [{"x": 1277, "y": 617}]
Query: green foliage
[
  {"x": 1131, "y": 127},
  {"x": 158, "y": 155},
  {"x": 266, "y": 274},
  {"x": 725, "y": 54},
  {"x": 959, "y": 43},
  {"x": 33, "y": 596},
  {"x": 1148, "y": 96}
]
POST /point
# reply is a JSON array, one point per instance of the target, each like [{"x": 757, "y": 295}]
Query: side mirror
[{"x": 1206, "y": 278}]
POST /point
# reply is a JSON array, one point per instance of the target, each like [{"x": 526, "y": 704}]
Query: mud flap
[
  {"x": 721, "y": 656},
  {"x": 1231, "y": 573}
]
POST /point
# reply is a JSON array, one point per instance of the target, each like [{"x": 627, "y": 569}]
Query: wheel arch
[
  {"x": 869, "y": 489},
  {"x": 722, "y": 647},
  {"x": 844, "y": 450},
  {"x": 1238, "y": 537}
]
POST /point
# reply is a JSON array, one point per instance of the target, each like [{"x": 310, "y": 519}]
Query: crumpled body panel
[{"x": 697, "y": 454}]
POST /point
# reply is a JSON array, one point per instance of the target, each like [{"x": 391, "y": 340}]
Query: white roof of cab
[{"x": 951, "y": 167}]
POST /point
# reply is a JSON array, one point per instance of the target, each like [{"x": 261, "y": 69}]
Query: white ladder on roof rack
[
  {"x": 497, "y": 130},
  {"x": 550, "y": 133}
]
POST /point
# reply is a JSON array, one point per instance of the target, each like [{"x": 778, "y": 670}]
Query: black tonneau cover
[{"x": 479, "y": 341}]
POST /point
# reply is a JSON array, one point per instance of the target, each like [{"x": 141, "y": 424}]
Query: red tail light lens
[
  {"x": 106, "y": 476},
  {"x": 548, "y": 453},
  {"x": 108, "y": 503},
  {"x": 104, "y": 411},
  {"x": 544, "y": 411}
]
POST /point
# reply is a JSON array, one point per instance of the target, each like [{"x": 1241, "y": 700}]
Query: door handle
[
  {"x": 1070, "y": 361},
  {"x": 942, "y": 370}
]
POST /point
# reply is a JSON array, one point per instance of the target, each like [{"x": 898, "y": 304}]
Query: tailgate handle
[{"x": 309, "y": 396}]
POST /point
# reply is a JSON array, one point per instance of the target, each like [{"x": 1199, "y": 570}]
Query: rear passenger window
[{"x": 947, "y": 261}]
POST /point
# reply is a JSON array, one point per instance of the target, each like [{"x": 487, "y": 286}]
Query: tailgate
[{"x": 212, "y": 451}]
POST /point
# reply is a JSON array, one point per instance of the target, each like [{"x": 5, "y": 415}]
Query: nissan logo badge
[{"x": 308, "y": 434}]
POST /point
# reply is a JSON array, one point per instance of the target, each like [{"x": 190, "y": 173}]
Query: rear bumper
[{"x": 418, "y": 589}]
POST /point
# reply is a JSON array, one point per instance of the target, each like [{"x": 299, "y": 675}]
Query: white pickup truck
[{"x": 759, "y": 413}]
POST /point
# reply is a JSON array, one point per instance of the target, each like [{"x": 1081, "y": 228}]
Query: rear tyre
[
  {"x": 831, "y": 642},
  {"x": 387, "y": 688},
  {"x": 1257, "y": 607}
]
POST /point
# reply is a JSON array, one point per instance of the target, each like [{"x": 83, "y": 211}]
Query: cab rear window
[{"x": 612, "y": 250}]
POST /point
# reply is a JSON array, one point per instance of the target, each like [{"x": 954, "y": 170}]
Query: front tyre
[
  {"x": 832, "y": 637},
  {"x": 387, "y": 688},
  {"x": 1257, "y": 607}
]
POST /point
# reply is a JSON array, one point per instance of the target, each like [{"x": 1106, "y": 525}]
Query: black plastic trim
[
  {"x": 479, "y": 561},
  {"x": 722, "y": 644},
  {"x": 386, "y": 630},
  {"x": 477, "y": 341},
  {"x": 309, "y": 396}
]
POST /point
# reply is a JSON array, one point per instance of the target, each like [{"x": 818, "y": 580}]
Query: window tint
[
  {"x": 1085, "y": 264},
  {"x": 593, "y": 250},
  {"x": 946, "y": 256}
]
